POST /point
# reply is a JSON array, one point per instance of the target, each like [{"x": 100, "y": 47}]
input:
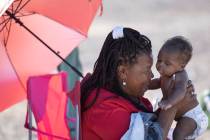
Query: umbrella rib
[
  {"x": 9, "y": 29},
  {"x": 45, "y": 44},
  {"x": 16, "y": 73},
  {"x": 53, "y": 51},
  {"x": 5, "y": 20},
  {"x": 5, "y": 43},
  {"x": 5, "y": 25},
  {"x": 12, "y": 7},
  {"x": 18, "y": 10},
  {"x": 23, "y": 15},
  {"x": 20, "y": 1}
]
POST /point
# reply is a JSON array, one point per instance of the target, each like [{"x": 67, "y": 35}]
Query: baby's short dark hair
[{"x": 180, "y": 45}]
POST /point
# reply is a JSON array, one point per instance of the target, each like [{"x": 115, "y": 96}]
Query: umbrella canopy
[
  {"x": 22, "y": 55},
  {"x": 4, "y": 4},
  {"x": 81, "y": 11}
]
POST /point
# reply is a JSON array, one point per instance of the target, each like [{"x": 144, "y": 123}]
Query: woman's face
[{"x": 137, "y": 76}]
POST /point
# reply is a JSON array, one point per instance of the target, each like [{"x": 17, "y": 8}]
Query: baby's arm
[
  {"x": 155, "y": 83},
  {"x": 178, "y": 91}
]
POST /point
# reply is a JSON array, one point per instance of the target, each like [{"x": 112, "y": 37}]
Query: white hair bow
[{"x": 117, "y": 32}]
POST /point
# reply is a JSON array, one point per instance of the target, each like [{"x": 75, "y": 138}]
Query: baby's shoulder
[{"x": 181, "y": 76}]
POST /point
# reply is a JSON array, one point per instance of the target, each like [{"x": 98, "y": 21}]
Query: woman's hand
[
  {"x": 190, "y": 87},
  {"x": 189, "y": 101}
]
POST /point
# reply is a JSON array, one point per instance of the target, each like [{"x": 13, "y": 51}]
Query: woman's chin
[{"x": 141, "y": 93}]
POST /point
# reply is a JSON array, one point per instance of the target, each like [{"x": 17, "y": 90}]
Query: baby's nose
[{"x": 158, "y": 67}]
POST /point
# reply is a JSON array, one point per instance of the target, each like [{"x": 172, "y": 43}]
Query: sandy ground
[{"x": 159, "y": 20}]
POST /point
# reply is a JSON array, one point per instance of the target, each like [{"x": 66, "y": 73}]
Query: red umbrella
[{"x": 58, "y": 25}]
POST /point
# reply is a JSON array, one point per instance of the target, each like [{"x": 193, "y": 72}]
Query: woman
[{"x": 121, "y": 75}]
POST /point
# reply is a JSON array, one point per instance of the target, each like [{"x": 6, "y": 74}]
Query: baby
[{"x": 172, "y": 59}]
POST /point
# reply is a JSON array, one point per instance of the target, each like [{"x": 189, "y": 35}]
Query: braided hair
[{"x": 115, "y": 52}]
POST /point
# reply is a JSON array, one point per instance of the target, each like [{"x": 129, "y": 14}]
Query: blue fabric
[{"x": 143, "y": 126}]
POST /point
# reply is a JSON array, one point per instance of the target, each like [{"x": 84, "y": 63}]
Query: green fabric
[
  {"x": 73, "y": 59},
  {"x": 203, "y": 104}
]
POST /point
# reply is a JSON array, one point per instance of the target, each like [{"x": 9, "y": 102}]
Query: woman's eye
[{"x": 167, "y": 64}]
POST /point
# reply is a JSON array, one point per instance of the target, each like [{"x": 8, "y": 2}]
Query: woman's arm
[{"x": 165, "y": 118}]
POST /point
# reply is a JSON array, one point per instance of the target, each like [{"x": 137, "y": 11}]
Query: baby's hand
[{"x": 164, "y": 104}]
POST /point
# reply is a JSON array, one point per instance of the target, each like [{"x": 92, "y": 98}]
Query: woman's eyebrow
[{"x": 167, "y": 61}]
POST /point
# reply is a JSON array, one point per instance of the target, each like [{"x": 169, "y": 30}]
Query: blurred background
[{"x": 157, "y": 19}]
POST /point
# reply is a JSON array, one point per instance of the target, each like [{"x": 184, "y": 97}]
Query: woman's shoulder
[
  {"x": 109, "y": 101},
  {"x": 110, "y": 112}
]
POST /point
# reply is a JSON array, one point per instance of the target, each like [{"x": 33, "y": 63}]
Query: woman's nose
[{"x": 152, "y": 75}]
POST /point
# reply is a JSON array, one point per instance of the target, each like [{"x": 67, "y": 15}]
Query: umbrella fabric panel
[
  {"x": 62, "y": 11},
  {"x": 11, "y": 90},
  {"x": 25, "y": 54},
  {"x": 28, "y": 57},
  {"x": 30, "y": 53}
]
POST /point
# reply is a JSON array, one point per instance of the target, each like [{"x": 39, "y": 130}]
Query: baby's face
[{"x": 168, "y": 63}]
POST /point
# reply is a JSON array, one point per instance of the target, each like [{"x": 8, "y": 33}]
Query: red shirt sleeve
[{"x": 110, "y": 121}]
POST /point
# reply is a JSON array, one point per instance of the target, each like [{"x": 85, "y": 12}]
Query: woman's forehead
[
  {"x": 145, "y": 60},
  {"x": 169, "y": 55}
]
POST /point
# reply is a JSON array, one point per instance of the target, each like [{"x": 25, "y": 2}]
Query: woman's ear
[{"x": 121, "y": 71}]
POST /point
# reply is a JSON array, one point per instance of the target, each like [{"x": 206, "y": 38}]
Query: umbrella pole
[
  {"x": 45, "y": 44},
  {"x": 30, "y": 122}
]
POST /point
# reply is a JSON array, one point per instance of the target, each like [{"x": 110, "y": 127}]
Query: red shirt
[{"x": 109, "y": 117}]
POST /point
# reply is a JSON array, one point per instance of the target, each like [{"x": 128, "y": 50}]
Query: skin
[
  {"x": 174, "y": 91},
  {"x": 138, "y": 77},
  {"x": 168, "y": 64}
]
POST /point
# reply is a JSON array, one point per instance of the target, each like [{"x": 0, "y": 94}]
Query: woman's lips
[{"x": 161, "y": 73}]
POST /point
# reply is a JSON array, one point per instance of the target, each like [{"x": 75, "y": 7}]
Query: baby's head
[{"x": 174, "y": 56}]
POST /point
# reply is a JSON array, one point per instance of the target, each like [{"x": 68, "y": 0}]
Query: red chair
[{"x": 47, "y": 99}]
